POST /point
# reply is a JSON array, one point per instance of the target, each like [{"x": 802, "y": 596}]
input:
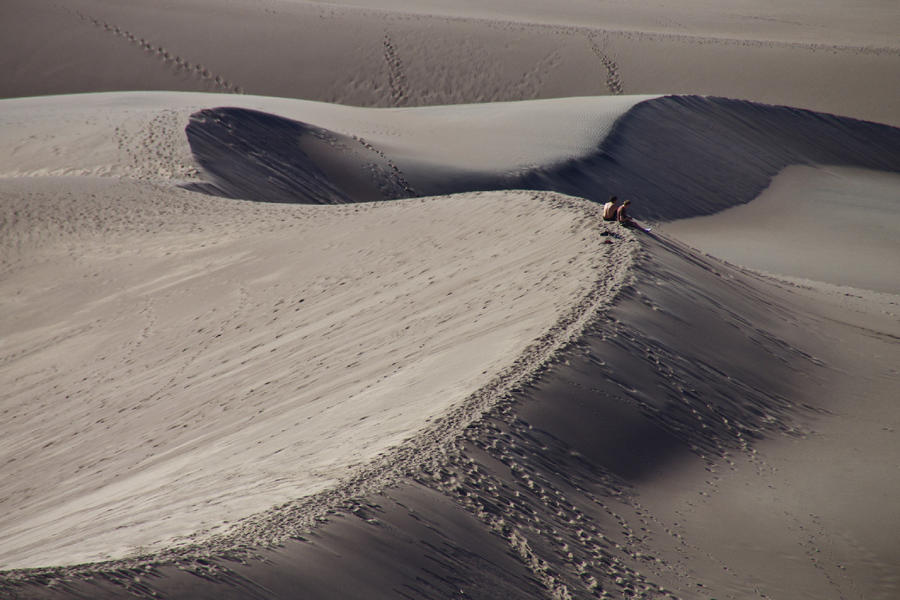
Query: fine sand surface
[
  {"x": 835, "y": 58},
  {"x": 827, "y": 224},
  {"x": 803, "y": 20},
  {"x": 687, "y": 446},
  {"x": 189, "y": 361},
  {"x": 312, "y": 299},
  {"x": 142, "y": 134}
]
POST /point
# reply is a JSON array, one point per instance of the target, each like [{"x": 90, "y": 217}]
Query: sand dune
[
  {"x": 679, "y": 156},
  {"x": 311, "y": 299},
  {"x": 827, "y": 223},
  {"x": 677, "y": 446},
  {"x": 142, "y": 135},
  {"x": 832, "y": 59},
  {"x": 285, "y": 326}
]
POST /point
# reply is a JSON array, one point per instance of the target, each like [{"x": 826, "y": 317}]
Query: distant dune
[
  {"x": 679, "y": 156},
  {"x": 832, "y": 58},
  {"x": 315, "y": 300}
]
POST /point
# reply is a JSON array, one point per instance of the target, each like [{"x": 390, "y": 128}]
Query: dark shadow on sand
[
  {"x": 694, "y": 361},
  {"x": 677, "y": 157},
  {"x": 686, "y": 156}
]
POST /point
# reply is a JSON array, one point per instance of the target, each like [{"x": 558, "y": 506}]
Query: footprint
[
  {"x": 613, "y": 76},
  {"x": 396, "y": 74},
  {"x": 170, "y": 59}
]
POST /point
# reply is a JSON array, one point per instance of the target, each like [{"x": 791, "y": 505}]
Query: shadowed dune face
[
  {"x": 696, "y": 358},
  {"x": 679, "y": 156},
  {"x": 846, "y": 63},
  {"x": 685, "y": 156},
  {"x": 260, "y": 156},
  {"x": 480, "y": 396},
  {"x": 246, "y": 151}
]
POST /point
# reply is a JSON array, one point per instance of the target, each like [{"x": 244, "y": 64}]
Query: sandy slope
[
  {"x": 171, "y": 362},
  {"x": 239, "y": 338},
  {"x": 712, "y": 434},
  {"x": 142, "y": 134},
  {"x": 838, "y": 59},
  {"x": 831, "y": 21},
  {"x": 187, "y": 361},
  {"x": 831, "y": 224}
]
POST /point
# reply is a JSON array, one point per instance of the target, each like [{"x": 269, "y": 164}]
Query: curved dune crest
[
  {"x": 829, "y": 224},
  {"x": 208, "y": 376},
  {"x": 390, "y": 350},
  {"x": 142, "y": 134},
  {"x": 685, "y": 156},
  {"x": 188, "y": 361},
  {"x": 679, "y": 156}
]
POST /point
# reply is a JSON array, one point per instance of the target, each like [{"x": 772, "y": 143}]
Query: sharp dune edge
[
  {"x": 346, "y": 327},
  {"x": 372, "y": 339},
  {"x": 704, "y": 154}
]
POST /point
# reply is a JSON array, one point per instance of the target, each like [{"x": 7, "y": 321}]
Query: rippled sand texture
[
  {"x": 315, "y": 300},
  {"x": 822, "y": 56}
]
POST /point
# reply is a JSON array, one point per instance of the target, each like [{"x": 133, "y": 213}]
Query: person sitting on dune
[
  {"x": 610, "y": 209},
  {"x": 623, "y": 218}
]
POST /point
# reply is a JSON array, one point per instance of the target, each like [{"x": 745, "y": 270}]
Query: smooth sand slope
[
  {"x": 142, "y": 135},
  {"x": 240, "y": 339},
  {"x": 219, "y": 393},
  {"x": 711, "y": 435},
  {"x": 188, "y": 361},
  {"x": 832, "y": 224},
  {"x": 836, "y": 58}
]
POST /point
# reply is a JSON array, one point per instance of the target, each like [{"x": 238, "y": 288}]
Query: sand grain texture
[
  {"x": 195, "y": 361},
  {"x": 304, "y": 299}
]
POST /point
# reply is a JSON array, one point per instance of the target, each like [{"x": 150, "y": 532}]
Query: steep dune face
[
  {"x": 255, "y": 155},
  {"x": 685, "y": 156},
  {"x": 260, "y": 156},
  {"x": 607, "y": 471},
  {"x": 394, "y": 54},
  {"x": 678, "y": 156},
  {"x": 352, "y": 386}
]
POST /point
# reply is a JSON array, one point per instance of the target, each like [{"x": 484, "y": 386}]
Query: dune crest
[
  {"x": 678, "y": 156},
  {"x": 189, "y": 361},
  {"x": 391, "y": 350}
]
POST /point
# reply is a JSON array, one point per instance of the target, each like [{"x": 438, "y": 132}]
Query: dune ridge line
[{"x": 293, "y": 518}]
